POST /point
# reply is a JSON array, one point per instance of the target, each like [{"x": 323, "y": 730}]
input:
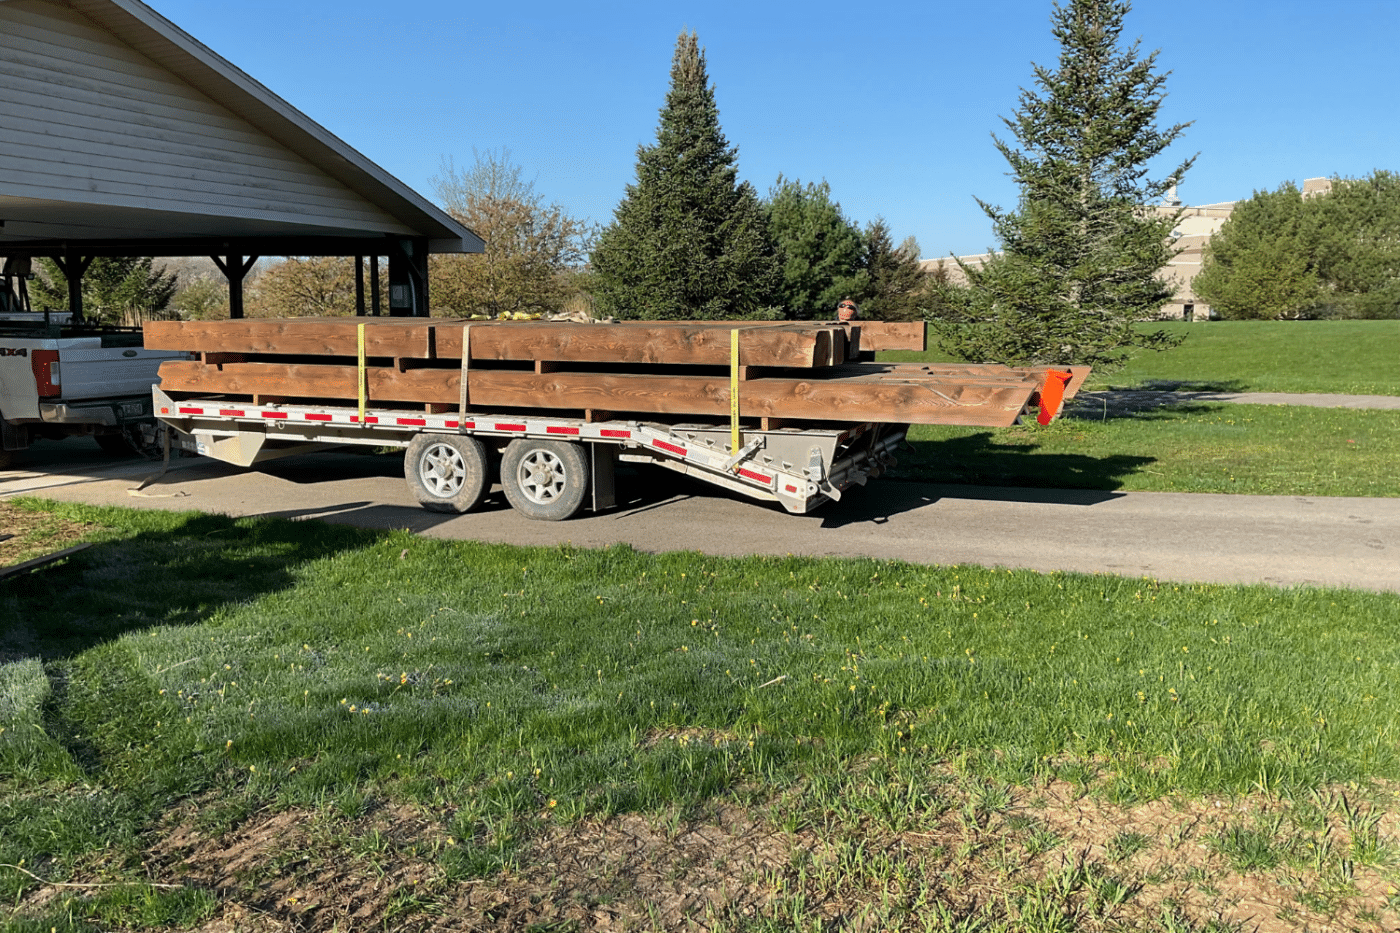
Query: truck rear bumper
[{"x": 110, "y": 413}]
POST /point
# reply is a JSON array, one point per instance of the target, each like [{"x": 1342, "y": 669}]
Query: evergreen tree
[
  {"x": 1258, "y": 266},
  {"x": 118, "y": 289},
  {"x": 1082, "y": 251},
  {"x": 823, "y": 254},
  {"x": 689, "y": 241},
  {"x": 1352, "y": 234},
  {"x": 899, "y": 287}
]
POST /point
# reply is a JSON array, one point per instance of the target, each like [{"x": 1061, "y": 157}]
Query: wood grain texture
[
  {"x": 927, "y": 400},
  {"x": 802, "y": 346}
]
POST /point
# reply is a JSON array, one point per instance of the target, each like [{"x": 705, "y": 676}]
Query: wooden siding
[{"x": 89, "y": 119}]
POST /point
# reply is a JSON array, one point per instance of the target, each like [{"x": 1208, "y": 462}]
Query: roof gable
[{"x": 123, "y": 127}]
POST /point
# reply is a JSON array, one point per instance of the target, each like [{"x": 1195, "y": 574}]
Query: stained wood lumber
[
  {"x": 892, "y": 335},
  {"x": 924, "y": 400},
  {"x": 1078, "y": 374},
  {"x": 787, "y": 345},
  {"x": 873, "y": 335}
]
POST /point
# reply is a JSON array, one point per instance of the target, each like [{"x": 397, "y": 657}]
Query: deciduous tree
[
  {"x": 1258, "y": 266},
  {"x": 304, "y": 286},
  {"x": 532, "y": 248},
  {"x": 1282, "y": 256},
  {"x": 689, "y": 240},
  {"x": 1353, "y": 233},
  {"x": 1082, "y": 251}
]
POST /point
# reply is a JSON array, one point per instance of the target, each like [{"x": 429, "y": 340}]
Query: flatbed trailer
[{"x": 549, "y": 467}]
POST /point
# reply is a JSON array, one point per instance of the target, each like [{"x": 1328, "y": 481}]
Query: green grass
[
  {"x": 1215, "y": 448},
  {"x": 501, "y": 690},
  {"x": 1348, "y": 357}
]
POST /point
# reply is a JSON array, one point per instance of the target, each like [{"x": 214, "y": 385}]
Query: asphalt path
[{"x": 1279, "y": 540}]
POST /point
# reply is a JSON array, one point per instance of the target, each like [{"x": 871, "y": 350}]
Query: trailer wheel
[
  {"x": 446, "y": 472},
  {"x": 545, "y": 480}
]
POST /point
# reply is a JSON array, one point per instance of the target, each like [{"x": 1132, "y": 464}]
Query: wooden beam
[
  {"x": 969, "y": 370},
  {"x": 892, "y": 335},
  {"x": 687, "y": 343},
  {"x": 913, "y": 401},
  {"x": 294, "y": 336}
]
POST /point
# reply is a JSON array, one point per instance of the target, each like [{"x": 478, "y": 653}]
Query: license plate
[{"x": 131, "y": 409}]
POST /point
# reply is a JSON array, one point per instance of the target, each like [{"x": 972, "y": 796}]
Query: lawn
[
  {"x": 1197, "y": 445},
  {"x": 1348, "y": 357},
  {"x": 265, "y": 724},
  {"x": 1194, "y": 447}
]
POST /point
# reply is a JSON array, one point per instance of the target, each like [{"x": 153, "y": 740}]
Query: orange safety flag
[{"x": 1052, "y": 394}]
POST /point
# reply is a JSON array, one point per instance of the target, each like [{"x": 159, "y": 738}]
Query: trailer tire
[
  {"x": 545, "y": 480},
  {"x": 446, "y": 472}
]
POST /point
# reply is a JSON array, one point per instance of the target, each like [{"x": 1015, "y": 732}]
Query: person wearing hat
[{"x": 846, "y": 310}]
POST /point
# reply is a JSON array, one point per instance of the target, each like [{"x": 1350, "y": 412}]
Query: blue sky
[{"x": 893, "y": 103}]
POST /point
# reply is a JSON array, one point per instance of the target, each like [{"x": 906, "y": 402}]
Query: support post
[
  {"x": 375, "y": 308},
  {"x": 235, "y": 268},
  {"x": 408, "y": 278},
  {"x": 359, "y": 286},
  {"x": 73, "y": 269}
]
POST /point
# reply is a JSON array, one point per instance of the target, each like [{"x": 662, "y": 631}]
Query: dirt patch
[
  {"x": 631, "y": 873},
  {"x": 1096, "y": 865},
  {"x": 25, "y": 534}
]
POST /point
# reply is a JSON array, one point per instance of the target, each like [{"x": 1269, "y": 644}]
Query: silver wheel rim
[
  {"x": 442, "y": 471},
  {"x": 541, "y": 477}
]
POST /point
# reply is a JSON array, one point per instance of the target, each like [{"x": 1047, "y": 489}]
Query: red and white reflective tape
[{"x": 666, "y": 444}]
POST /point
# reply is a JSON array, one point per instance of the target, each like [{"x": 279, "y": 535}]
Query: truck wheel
[
  {"x": 446, "y": 472},
  {"x": 545, "y": 480}
]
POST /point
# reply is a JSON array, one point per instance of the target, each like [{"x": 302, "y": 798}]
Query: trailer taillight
[{"x": 47, "y": 376}]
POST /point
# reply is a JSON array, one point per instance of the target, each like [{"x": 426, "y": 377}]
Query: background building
[{"x": 1192, "y": 232}]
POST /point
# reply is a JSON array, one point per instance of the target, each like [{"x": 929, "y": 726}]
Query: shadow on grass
[
  {"x": 1188, "y": 385},
  {"x": 979, "y": 460},
  {"x": 176, "y": 570}
]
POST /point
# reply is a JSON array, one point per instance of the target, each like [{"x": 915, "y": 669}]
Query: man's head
[{"x": 847, "y": 308}]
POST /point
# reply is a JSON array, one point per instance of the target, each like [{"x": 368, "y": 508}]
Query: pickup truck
[{"x": 61, "y": 378}]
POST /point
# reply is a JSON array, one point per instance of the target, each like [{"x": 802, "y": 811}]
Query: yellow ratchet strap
[
  {"x": 462, "y": 398},
  {"x": 734, "y": 393},
  {"x": 360, "y": 376}
]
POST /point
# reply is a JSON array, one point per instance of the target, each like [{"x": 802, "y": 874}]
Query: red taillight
[{"x": 47, "y": 375}]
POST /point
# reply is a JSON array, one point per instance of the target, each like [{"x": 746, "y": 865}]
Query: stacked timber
[{"x": 787, "y": 372}]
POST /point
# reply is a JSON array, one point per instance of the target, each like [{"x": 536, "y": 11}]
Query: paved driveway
[{"x": 1169, "y": 536}]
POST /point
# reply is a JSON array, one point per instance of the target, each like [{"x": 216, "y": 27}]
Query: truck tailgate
[{"x": 104, "y": 372}]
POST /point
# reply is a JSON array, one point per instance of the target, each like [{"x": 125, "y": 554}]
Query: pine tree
[
  {"x": 899, "y": 287},
  {"x": 689, "y": 241},
  {"x": 121, "y": 289},
  {"x": 821, "y": 252},
  {"x": 1082, "y": 252}
]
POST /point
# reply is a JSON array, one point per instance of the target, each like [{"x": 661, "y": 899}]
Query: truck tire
[
  {"x": 446, "y": 472},
  {"x": 545, "y": 480}
]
